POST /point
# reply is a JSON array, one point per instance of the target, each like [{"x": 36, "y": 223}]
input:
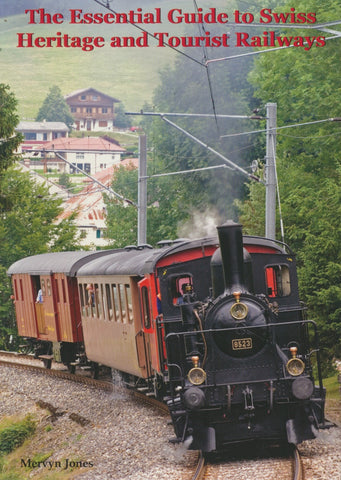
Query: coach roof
[
  {"x": 139, "y": 260},
  {"x": 58, "y": 262},
  {"x": 127, "y": 261}
]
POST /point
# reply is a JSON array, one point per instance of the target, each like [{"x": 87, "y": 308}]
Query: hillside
[{"x": 129, "y": 74}]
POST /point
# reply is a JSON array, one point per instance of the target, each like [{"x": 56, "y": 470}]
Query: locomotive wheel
[
  {"x": 94, "y": 370},
  {"x": 47, "y": 363},
  {"x": 158, "y": 387},
  {"x": 71, "y": 368}
]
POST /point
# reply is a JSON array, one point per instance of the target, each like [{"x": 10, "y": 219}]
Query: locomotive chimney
[{"x": 231, "y": 246}]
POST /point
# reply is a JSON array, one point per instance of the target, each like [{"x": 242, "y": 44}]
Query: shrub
[{"x": 14, "y": 435}]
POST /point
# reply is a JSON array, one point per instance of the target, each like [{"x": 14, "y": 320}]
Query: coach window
[
  {"x": 57, "y": 290},
  {"x": 129, "y": 304},
  {"x": 97, "y": 301},
  {"x": 109, "y": 301},
  {"x": 118, "y": 303},
  {"x": 124, "y": 307},
  {"x": 277, "y": 279},
  {"x": 145, "y": 307},
  {"x": 84, "y": 288},
  {"x": 102, "y": 310},
  {"x": 89, "y": 299},
  {"x": 81, "y": 298},
  {"x": 48, "y": 286},
  {"x": 43, "y": 289},
  {"x": 63, "y": 291},
  {"x": 16, "y": 290},
  {"x": 114, "y": 301}
]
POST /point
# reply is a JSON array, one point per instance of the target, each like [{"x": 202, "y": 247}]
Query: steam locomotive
[
  {"x": 213, "y": 326},
  {"x": 240, "y": 364}
]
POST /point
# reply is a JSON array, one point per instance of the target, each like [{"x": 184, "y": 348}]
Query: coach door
[
  {"x": 25, "y": 297},
  {"x": 48, "y": 321},
  {"x": 149, "y": 327}
]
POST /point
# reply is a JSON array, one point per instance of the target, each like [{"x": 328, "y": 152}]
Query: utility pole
[
  {"x": 270, "y": 171},
  {"x": 142, "y": 192}
]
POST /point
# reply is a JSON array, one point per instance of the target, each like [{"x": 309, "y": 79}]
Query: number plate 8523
[{"x": 242, "y": 344}]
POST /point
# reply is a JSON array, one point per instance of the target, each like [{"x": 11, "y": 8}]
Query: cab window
[
  {"x": 277, "y": 278},
  {"x": 178, "y": 285}
]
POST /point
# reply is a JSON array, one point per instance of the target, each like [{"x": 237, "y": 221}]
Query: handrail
[{"x": 178, "y": 335}]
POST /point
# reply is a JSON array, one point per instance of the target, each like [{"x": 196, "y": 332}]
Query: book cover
[{"x": 238, "y": 103}]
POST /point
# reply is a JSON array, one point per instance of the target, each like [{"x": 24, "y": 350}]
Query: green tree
[
  {"x": 27, "y": 214},
  {"x": 164, "y": 199},
  {"x": 64, "y": 180},
  {"x": 121, "y": 119},
  {"x": 9, "y": 140},
  {"x": 122, "y": 217},
  {"x": 55, "y": 108},
  {"x": 306, "y": 87},
  {"x": 7, "y": 317},
  {"x": 27, "y": 227}
]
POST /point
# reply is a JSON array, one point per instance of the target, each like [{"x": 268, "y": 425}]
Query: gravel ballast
[{"x": 97, "y": 435}]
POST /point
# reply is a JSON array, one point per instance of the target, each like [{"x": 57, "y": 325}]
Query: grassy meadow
[{"x": 128, "y": 74}]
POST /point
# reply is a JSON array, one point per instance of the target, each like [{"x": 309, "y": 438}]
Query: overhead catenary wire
[
  {"x": 205, "y": 58},
  {"x": 105, "y": 5},
  {"x": 193, "y": 170},
  {"x": 108, "y": 189},
  {"x": 229, "y": 162},
  {"x": 280, "y": 128}
]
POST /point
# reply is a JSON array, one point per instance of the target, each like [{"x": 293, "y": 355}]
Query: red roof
[{"x": 85, "y": 144}]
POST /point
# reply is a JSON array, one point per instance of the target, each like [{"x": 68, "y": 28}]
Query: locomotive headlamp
[
  {"x": 196, "y": 375},
  {"x": 238, "y": 310},
  {"x": 295, "y": 366}
]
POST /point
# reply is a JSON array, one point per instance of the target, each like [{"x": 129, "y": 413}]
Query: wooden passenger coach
[
  {"x": 121, "y": 312},
  {"x": 55, "y": 316}
]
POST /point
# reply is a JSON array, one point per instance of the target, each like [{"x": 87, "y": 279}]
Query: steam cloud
[{"x": 201, "y": 224}]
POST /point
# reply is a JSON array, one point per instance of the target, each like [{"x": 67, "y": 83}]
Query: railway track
[
  {"x": 29, "y": 363},
  {"x": 285, "y": 467}
]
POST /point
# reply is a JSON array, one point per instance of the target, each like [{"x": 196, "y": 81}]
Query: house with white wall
[
  {"x": 91, "y": 154},
  {"x": 38, "y": 134}
]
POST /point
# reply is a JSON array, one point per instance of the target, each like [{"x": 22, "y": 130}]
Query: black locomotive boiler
[{"x": 241, "y": 362}]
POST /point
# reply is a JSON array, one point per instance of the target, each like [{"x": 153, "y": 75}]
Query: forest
[{"x": 305, "y": 85}]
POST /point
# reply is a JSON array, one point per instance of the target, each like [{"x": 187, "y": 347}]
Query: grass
[
  {"x": 20, "y": 437},
  {"x": 128, "y": 74},
  {"x": 333, "y": 388},
  {"x": 14, "y": 433}
]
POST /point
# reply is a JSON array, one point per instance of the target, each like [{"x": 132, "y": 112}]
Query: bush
[{"x": 13, "y": 436}]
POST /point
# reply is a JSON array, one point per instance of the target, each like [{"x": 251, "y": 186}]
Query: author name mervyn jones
[{"x": 64, "y": 465}]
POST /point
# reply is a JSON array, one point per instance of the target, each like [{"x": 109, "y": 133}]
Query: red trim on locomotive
[
  {"x": 187, "y": 255},
  {"x": 260, "y": 249}
]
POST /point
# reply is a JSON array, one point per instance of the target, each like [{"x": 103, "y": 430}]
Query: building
[
  {"x": 91, "y": 154},
  {"x": 90, "y": 208},
  {"x": 53, "y": 187},
  {"x": 92, "y": 110},
  {"x": 38, "y": 134}
]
